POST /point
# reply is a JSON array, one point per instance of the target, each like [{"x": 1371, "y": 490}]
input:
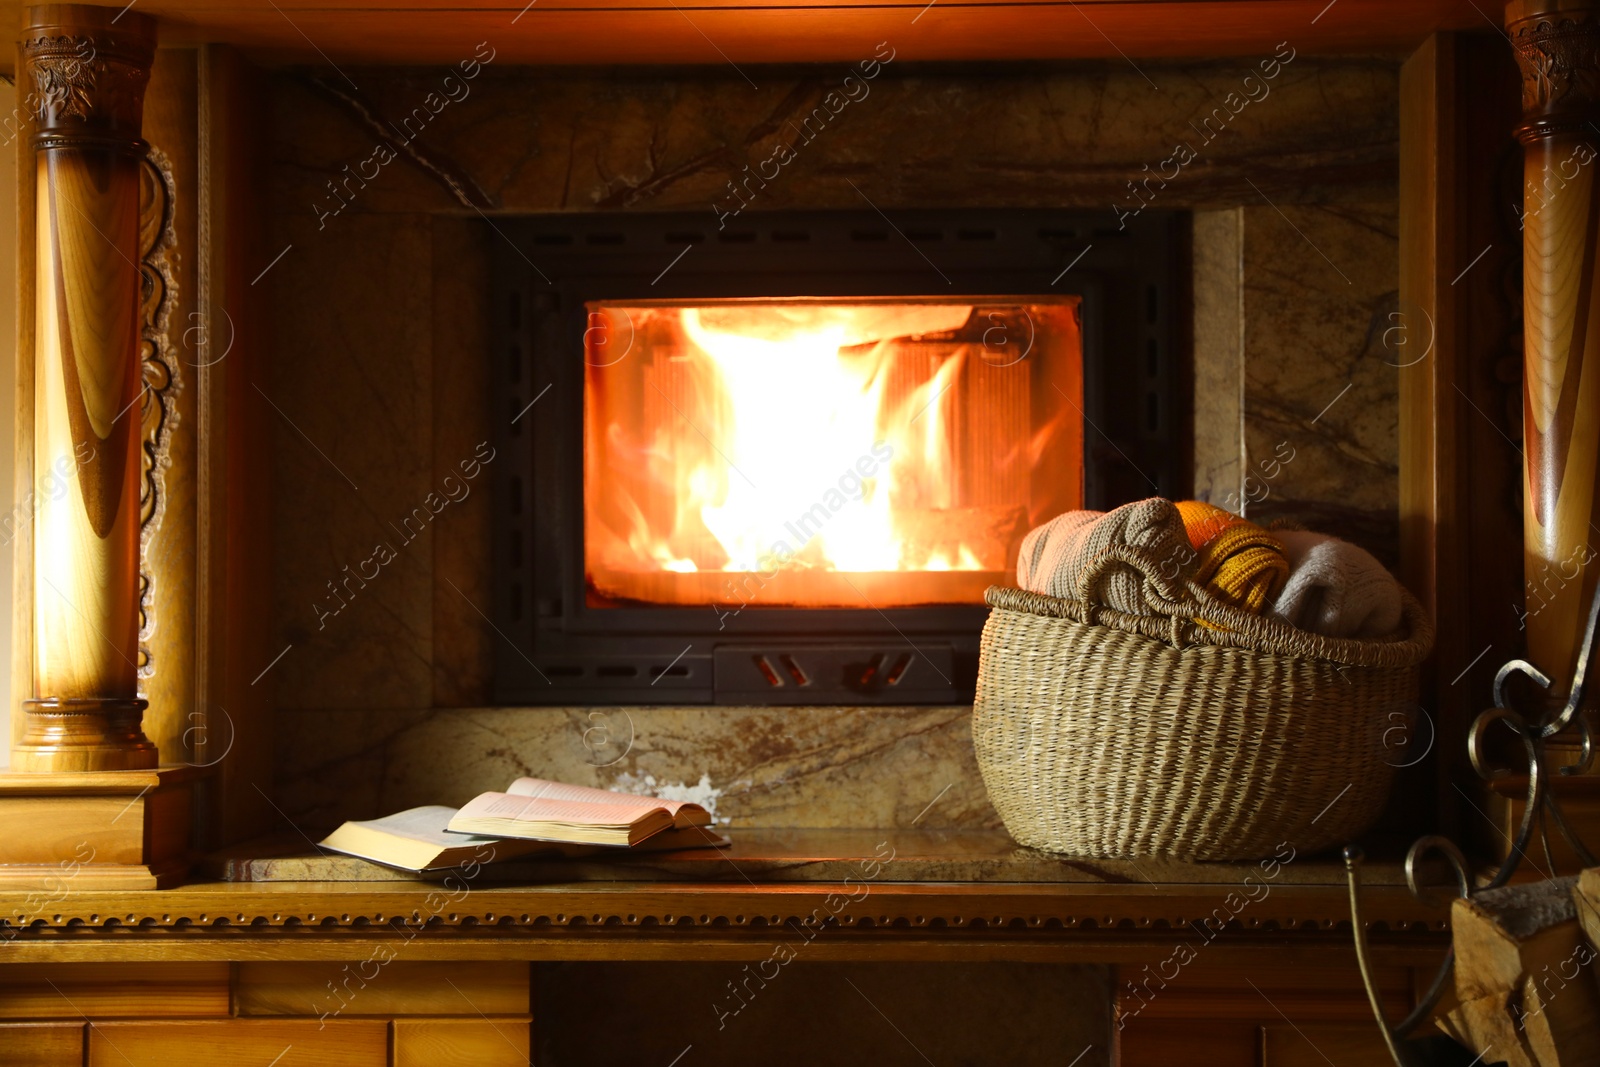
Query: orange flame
[{"x": 792, "y": 437}]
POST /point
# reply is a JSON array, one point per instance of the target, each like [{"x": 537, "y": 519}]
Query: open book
[
  {"x": 552, "y": 811},
  {"x": 416, "y": 840}
]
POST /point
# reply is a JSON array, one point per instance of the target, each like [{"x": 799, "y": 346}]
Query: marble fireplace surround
[{"x": 379, "y": 371}]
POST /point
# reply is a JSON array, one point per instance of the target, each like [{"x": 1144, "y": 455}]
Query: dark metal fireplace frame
[{"x": 560, "y": 650}]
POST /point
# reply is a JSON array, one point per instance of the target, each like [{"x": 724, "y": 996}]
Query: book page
[
  {"x": 540, "y": 787},
  {"x": 623, "y": 811},
  {"x": 423, "y": 824}
]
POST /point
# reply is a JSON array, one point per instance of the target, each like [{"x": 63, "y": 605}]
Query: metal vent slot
[
  {"x": 977, "y": 235},
  {"x": 870, "y": 673},
  {"x": 605, "y": 238},
  {"x": 794, "y": 670},
  {"x": 869, "y": 235},
  {"x": 765, "y": 667},
  {"x": 737, "y": 237},
  {"x": 672, "y": 671},
  {"x": 683, "y": 237},
  {"x": 790, "y": 235},
  {"x": 564, "y": 670},
  {"x": 829, "y": 673},
  {"x": 616, "y": 672},
  {"x": 552, "y": 238},
  {"x": 925, "y": 235}
]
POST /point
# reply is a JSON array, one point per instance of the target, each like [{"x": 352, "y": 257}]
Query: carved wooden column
[
  {"x": 83, "y": 73},
  {"x": 1557, "y": 45}
]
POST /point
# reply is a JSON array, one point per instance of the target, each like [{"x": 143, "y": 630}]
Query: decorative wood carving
[
  {"x": 88, "y": 67},
  {"x": 64, "y": 74},
  {"x": 1557, "y": 45},
  {"x": 161, "y": 373},
  {"x": 229, "y": 912}
]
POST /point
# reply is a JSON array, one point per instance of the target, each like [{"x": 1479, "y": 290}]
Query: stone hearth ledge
[{"x": 799, "y": 856}]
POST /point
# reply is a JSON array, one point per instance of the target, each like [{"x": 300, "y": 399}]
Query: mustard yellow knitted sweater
[{"x": 1237, "y": 561}]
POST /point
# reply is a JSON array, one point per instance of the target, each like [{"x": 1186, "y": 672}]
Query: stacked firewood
[{"x": 1527, "y": 990}]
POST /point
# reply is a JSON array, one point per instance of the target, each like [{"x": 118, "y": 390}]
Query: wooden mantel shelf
[
  {"x": 940, "y": 896},
  {"x": 716, "y": 32}
]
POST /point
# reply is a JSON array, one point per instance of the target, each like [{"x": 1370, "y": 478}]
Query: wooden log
[
  {"x": 87, "y": 68},
  {"x": 1487, "y": 1027},
  {"x": 1586, "y": 902},
  {"x": 1524, "y": 976}
]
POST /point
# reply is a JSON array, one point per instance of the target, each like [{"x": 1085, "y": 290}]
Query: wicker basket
[{"x": 1104, "y": 734}]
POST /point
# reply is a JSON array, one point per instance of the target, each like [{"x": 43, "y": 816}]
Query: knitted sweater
[{"x": 1054, "y": 556}]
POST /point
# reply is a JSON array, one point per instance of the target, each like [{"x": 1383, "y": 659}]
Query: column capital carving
[
  {"x": 1557, "y": 46},
  {"x": 84, "y": 72}
]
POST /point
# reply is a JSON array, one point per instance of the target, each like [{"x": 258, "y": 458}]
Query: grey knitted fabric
[
  {"x": 1054, "y": 555},
  {"x": 1336, "y": 588}
]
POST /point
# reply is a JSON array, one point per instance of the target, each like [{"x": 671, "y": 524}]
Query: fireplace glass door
[
  {"x": 824, "y": 454},
  {"x": 779, "y": 461}
]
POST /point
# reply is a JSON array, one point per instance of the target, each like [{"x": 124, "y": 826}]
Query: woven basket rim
[{"x": 1180, "y": 623}]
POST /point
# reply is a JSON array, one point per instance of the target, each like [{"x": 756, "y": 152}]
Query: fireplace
[{"x": 780, "y": 462}]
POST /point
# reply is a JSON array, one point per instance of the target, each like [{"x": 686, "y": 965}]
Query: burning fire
[
  {"x": 833, "y": 460},
  {"x": 792, "y": 437}
]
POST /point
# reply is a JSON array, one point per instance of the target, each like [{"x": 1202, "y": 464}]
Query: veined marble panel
[
  {"x": 755, "y": 767},
  {"x": 1321, "y": 369}
]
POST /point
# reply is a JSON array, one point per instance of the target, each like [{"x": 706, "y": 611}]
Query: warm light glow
[
  {"x": 811, "y": 422},
  {"x": 792, "y": 441}
]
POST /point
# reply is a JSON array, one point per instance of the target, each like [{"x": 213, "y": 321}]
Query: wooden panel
[
  {"x": 72, "y": 832},
  {"x": 1226, "y": 1043},
  {"x": 716, "y": 31},
  {"x": 106, "y": 829},
  {"x": 281, "y": 1043},
  {"x": 1234, "y": 1011},
  {"x": 1311, "y": 1045},
  {"x": 378, "y": 984},
  {"x": 1205, "y": 988},
  {"x": 1460, "y": 518},
  {"x": 1501, "y": 815},
  {"x": 235, "y": 630},
  {"x": 485, "y": 1042},
  {"x": 21, "y": 545},
  {"x": 41, "y": 1044},
  {"x": 169, "y": 821},
  {"x": 76, "y": 990}
]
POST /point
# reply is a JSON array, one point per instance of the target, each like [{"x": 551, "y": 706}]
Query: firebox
[{"x": 779, "y": 461}]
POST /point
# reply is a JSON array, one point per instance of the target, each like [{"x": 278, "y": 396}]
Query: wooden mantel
[
  {"x": 77, "y": 949},
  {"x": 357, "y": 970},
  {"x": 607, "y": 32}
]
